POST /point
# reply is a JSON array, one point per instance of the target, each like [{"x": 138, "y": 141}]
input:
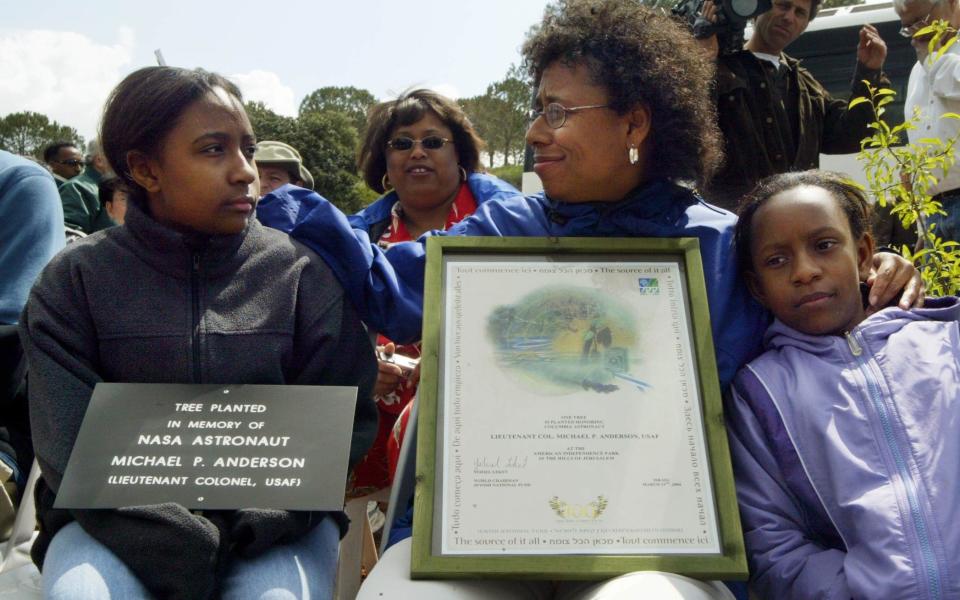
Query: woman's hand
[
  {"x": 891, "y": 275},
  {"x": 389, "y": 375}
]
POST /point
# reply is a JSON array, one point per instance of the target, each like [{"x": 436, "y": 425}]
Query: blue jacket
[
  {"x": 387, "y": 286},
  {"x": 31, "y": 230},
  {"x": 375, "y": 218},
  {"x": 846, "y": 453}
]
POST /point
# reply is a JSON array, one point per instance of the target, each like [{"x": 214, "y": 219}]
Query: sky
[{"x": 62, "y": 58}]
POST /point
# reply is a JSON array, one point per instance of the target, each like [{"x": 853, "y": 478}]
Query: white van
[{"x": 828, "y": 50}]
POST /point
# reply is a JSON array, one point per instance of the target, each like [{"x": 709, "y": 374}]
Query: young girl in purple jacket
[{"x": 844, "y": 432}]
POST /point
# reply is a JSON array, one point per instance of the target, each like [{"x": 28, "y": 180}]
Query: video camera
[{"x": 732, "y": 18}]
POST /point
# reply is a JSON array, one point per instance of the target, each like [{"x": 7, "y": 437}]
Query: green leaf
[
  {"x": 946, "y": 46},
  {"x": 857, "y": 100}
]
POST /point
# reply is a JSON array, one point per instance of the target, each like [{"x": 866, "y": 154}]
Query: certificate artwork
[{"x": 570, "y": 411}]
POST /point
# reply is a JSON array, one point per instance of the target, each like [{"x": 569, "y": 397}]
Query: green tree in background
[
  {"x": 350, "y": 101},
  {"x": 327, "y": 141},
  {"x": 268, "y": 125},
  {"x": 481, "y": 112},
  {"x": 500, "y": 116},
  {"x": 28, "y": 133}
]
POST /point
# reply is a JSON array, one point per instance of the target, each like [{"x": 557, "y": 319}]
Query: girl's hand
[{"x": 891, "y": 275}]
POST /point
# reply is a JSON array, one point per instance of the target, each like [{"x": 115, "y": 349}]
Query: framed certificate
[{"x": 570, "y": 421}]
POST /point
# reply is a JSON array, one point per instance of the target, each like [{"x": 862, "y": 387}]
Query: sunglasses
[
  {"x": 431, "y": 142},
  {"x": 908, "y": 31},
  {"x": 72, "y": 162}
]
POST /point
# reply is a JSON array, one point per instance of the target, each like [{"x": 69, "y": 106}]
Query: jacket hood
[{"x": 878, "y": 325}]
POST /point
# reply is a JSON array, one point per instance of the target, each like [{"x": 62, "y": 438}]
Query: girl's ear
[
  {"x": 143, "y": 169},
  {"x": 865, "y": 249},
  {"x": 753, "y": 284}
]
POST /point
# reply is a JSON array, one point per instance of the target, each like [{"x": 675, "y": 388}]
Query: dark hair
[
  {"x": 107, "y": 187},
  {"x": 851, "y": 199},
  {"x": 51, "y": 151},
  {"x": 815, "y": 8},
  {"x": 144, "y": 108},
  {"x": 639, "y": 55},
  {"x": 409, "y": 108}
]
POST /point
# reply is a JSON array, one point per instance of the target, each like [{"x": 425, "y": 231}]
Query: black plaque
[{"x": 212, "y": 447}]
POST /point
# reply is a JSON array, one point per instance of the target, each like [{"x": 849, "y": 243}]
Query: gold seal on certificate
[{"x": 571, "y": 422}]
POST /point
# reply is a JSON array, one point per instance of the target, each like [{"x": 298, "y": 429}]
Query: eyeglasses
[
  {"x": 908, "y": 31},
  {"x": 555, "y": 113},
  {"x": 431, "y": 142},
  {"x": 70, "y": 162}
]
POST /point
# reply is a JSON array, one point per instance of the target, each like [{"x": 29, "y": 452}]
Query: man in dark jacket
[
  {"x": 775, "y": 117},
  {"x": 81, "y": 205},
  {"x": 65, "y": 161}
]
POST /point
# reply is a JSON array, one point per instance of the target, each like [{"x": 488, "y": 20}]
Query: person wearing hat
[{"x": 279, "y": 164}]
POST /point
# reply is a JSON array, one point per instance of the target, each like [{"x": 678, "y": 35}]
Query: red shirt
[{"x": 376, "y": 469}]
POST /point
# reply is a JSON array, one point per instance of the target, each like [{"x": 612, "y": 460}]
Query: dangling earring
[
  {"x": 463, "y": 173},
  {"x": 634, "y": 155},
  {"x": 385, "y": 183}
]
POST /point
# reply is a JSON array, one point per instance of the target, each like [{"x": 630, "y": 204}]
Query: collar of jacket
[
  {"x": 172, "y": 252},
  {"x": 92, "y": 174},
  {"x": 877, "y": 326},
  {"x": 482, "y": 185},
  {"x": 786, "y": 60},
  {"x": 644, "y": 211}
]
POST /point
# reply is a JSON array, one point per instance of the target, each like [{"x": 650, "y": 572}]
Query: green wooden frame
[{"x": 731, "y": 564}]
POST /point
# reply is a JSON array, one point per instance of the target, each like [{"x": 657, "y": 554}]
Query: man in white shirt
[{"x": 934, "y": 89}]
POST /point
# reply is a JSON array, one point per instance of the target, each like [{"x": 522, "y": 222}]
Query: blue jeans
[{"x": 77, "y": 567}]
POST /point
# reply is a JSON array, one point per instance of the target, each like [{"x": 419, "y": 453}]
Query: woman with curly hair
[{"x": 623, "y": 130}]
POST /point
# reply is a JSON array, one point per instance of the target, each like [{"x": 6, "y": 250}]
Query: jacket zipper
[
  {"x": 195, "y": 323},
  {"x": 909, "y": 484}
]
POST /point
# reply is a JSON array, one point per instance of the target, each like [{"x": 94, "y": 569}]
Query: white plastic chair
[
  {"x": 351, "y": 546},
  {"x": 19, "y": 577},
  {"x": 404, "y": 480}
]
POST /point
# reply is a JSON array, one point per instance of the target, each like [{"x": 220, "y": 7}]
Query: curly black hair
[
  {"x": 851, "y": 198},
  {"x": 639, "y": 55}
]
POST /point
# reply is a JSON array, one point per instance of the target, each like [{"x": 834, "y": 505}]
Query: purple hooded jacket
[{"x": 846, "y": 453}]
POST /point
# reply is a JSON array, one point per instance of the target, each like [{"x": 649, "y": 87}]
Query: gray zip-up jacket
[{"x": 143, "y": 303}]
